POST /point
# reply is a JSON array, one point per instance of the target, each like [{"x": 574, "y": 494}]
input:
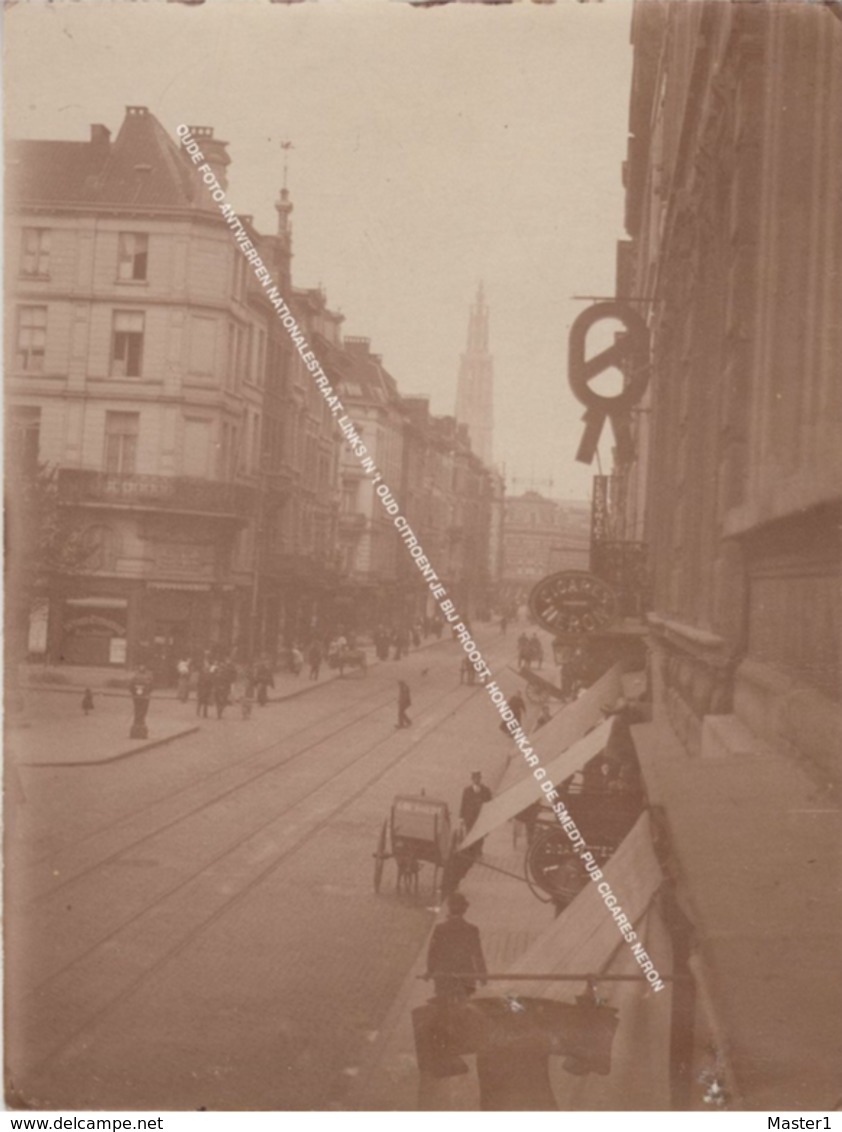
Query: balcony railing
[{"x": 154, "y": 493}]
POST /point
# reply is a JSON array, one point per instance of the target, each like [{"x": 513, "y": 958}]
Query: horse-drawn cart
[
  {"x": 354, "y": 659},
  {"x": 417, "y": 831}
]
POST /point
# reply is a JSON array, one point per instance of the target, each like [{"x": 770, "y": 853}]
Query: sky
[{"x": 432, "y": 148}]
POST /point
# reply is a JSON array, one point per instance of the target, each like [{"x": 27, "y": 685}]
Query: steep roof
[{"x": 142, "y": 167}]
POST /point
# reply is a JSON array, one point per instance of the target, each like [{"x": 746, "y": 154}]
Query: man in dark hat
[
  {"x": 474, "y": 798},
  {"x": 455, "y": 949}
]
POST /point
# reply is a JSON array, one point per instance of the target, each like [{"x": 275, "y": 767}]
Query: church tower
[{"x": 475, "y": 390}]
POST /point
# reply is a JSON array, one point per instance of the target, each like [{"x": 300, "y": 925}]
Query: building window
[
  {"x": 32, "y": 338},
  {"x": 202, "y": 345},
  {"x": 349, "y": 496},
  {"x": 35, "y": 252},
  {"x": 25, "y": 435},
  {"x": 127, "y": 350},
  {"x": 121, "y": 432},
  {"x": 132, "y": 257}
]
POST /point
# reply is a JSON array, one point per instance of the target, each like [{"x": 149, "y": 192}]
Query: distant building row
[{"x": 219, "y": 505}]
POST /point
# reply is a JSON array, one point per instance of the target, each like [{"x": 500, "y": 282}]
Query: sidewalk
[
  {"x": 102, "y": 737},
  {"x": 757, "y": 856},
  {"x": 511, "y": 918},
  {"x": 89, "y": 740}
]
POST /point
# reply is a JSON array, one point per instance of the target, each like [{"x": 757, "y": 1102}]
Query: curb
[{"x": 123, "y": 754}]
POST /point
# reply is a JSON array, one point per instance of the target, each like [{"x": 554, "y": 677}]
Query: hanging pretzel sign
[{"x": 630, "y": 355}]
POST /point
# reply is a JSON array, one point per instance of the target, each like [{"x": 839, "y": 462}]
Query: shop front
[{"x": 94, "y": 630}]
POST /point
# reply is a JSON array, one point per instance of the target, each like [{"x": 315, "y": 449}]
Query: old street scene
[{"x": 423, "y": 606}]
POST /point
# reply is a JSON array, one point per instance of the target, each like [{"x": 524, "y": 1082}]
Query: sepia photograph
[{"x": 423, "y": 559}]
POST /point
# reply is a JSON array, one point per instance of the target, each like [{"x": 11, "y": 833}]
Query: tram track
[
  {"x": 215, "y": 903},
  {"x": 197, "y": 784},
  {"x": 253, "y": 833}
]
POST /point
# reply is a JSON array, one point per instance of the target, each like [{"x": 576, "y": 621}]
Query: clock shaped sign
[{"x": 573, "y": 602}]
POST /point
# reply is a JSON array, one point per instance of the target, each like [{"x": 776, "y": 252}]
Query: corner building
[{"x": 147, "y": 366}]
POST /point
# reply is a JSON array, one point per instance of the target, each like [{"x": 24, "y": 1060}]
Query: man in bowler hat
[{"x": 455, "y": 949}]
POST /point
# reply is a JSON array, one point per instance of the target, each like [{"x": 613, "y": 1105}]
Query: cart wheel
[{"x": 380, "y": 857}]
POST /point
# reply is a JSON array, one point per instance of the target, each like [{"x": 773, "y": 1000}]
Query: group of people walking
[
  {"x": 395, "y": 641},
  {"x": 530, "y": 651}
]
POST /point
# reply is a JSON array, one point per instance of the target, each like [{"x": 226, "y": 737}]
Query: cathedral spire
[{"x": 475, "y": 389}]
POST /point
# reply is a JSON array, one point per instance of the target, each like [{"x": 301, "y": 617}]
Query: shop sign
[
  {"x": 94, "y": 626},
  {"x": 573, "y": 602},
  {"x": 176, "y": 558},
  {"x": 630, "y": 355}
]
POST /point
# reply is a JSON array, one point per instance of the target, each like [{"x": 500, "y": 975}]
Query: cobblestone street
[{"x": 195, "y": 925}]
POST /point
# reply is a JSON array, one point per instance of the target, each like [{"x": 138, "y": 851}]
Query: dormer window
[{"x": 132, "y": 257}]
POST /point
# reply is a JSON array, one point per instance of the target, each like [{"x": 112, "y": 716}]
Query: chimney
[
  {"x": 100, "y": 139},
  {"x": 214, "y": 151}
]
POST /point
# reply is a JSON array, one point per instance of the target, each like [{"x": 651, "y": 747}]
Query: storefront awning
[
  {"x": 577, "y": 718},
  {"x": 186, "y": 587},
  {"x": 585, "y": 936},
  {"x": 557, "y": 746},
  {"x": 96, "y": 602},
  {"x": 528, "y": 790}
]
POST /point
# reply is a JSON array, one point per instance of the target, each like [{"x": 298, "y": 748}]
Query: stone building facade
[
  {"x": 196, "y": 458},
  {"x": 737, "y": 486}
]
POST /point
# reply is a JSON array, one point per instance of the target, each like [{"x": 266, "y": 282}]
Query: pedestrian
[
  {"x": 263, "y": 680},
  {"x": 536, "y": 650},
  {"x": 204, "y": 690},
  {"x": 314, "y": 658},
  {"x": 504, "y": 623},
  {"x": 183, "y": 670},
  {"x": 404, "y": 701},
  {"x": 518, "y": 706},
  {"x": 88, "y": 701},
  {"x": 247, "y": 702},
  {"x": 221, "y": 689},
  {"x": 401, "y": 643},
  {"x": 524, "y": 652},
  {"x": 141, "y": 691},
  {"x": 620, "y": 752},
  {"x": 474, "y": 797},
  {"x": 296, "y": 660},
  {"x": 455, "y": 950},
  {"x": 467, "y": 672}
]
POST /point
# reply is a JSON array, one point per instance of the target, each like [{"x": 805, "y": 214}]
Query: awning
[
  {"x": 557, "y": 746},
  {"x": 181, "y": 587},
  {"x": 585, "y": 936},
  {"x": 499, "y": 810},
  {"x": 578, "y": 717},
  {"x": 96, "y": 602}
]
